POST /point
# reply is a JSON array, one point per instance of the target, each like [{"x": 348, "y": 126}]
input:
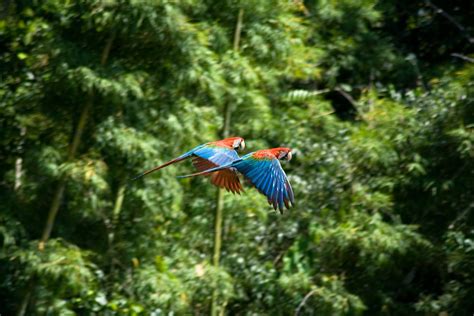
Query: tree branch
[
  {"x": 452, "y": 20},
  {"x": 303, "y": 302},
  {"x": 463, "y": 57}
]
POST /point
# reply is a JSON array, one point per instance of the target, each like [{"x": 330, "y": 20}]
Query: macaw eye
[{"x": 285, "y": 155}]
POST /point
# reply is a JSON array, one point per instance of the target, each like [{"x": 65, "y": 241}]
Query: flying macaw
[
  {"x": 210, "y": 155},
  {"x": 263, "y": 169}
]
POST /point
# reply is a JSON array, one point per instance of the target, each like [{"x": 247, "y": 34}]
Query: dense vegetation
[{"x": 375, "y": 97}]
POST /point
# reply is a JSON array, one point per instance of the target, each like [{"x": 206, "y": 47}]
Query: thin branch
[
  {"x": 453, "y": 21},
  {"x": 347, "y": 96},
  {"x": 303, "y": 302},
  {"x": 351, "y": 100},
  {"x": 463, "y": 57},
  {"x": 461, "y": 216}
]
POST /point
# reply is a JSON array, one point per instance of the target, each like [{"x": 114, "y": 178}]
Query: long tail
[
  {"x": 209, "y": 170},
  {"x": 159, "y": 167}
]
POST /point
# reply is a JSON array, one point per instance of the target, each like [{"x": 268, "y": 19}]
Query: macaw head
[
  {"x": 282, "y": 153},
  {"x": 237, "y": 143}
]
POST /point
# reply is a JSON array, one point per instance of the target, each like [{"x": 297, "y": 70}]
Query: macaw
[
  {"x": 263, "y": 169},
  {"x": 210, "y": 155}
]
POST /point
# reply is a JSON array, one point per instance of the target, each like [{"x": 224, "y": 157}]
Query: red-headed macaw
[
  {"x": 210, "y": 155},
  {"x": 263, "y": 169}
]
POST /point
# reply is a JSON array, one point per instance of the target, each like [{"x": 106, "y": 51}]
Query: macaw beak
[
  {"x": 289, "y": 156},
  {"x": 242, "y": 145}
]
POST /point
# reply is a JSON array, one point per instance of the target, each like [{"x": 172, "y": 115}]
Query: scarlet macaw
[
  {"x": 263, "y": 169},
  {"x": 210, "y": 155}
]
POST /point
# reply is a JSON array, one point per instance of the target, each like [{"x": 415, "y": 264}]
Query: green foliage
[
  {"x": 368, "y": 94},
  {"x": 61, "y": 267}
]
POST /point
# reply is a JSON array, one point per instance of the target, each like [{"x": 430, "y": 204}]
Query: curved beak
[{"x": 289, "y": 156}]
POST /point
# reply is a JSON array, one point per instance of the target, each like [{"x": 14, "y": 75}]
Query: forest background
[{"x": 375, "y": 97}]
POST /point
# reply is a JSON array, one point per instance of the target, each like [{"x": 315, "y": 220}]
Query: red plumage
[
  {"x": 271, "y": 153},
  {"x": 227, "y": 142}
]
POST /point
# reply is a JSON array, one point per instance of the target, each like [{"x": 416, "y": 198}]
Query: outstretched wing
[
  {"x": 265, "y": 174},
  {"x": 226, "y": 178},
  {"x": 269, "y": 178},
  {"x": 210, "y": 156},
  {"x": 218, "y": 155}
]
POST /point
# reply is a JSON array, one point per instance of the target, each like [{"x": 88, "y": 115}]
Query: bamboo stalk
[
  {"x": 218, "y": 218},
  {"x": 218, "y": 227},
  {"x": 57, "y": 197},
  {"x": 58, "y": 194},
  {"x": 238, "y": 30},
  {"x": 119, "y": 201},
  {"x": 19, "y": 160},
  {"x": 115, "y": 218},
  {"x": 24, "y": 302}
]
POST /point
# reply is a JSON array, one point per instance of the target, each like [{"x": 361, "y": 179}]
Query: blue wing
[
  {"x": 217, "y": 155},
  {"x": 266, "y": 175},
  {"x": 270, "y": 179}
]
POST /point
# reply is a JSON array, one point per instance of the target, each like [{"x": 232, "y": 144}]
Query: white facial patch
[{"x": 236, "y": 143}]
